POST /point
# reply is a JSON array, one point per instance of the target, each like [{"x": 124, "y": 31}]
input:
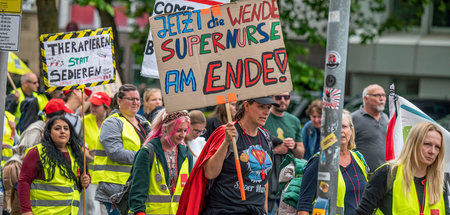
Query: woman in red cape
[{"x": 251, "y": 114}]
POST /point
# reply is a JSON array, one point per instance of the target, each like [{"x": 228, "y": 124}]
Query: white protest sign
[
  {"x": 78, "y": 58},
  {"x": 149, "y": 67}
]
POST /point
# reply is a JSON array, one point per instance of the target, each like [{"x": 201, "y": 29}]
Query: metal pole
[
  {"x": 333, "y": 98},
  {"x": 3, "y": 73}
]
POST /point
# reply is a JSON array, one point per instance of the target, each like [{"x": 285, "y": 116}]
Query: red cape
[{"x": 192, "y": 199}]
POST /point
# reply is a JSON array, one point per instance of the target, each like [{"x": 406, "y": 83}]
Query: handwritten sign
[
  {"x": 231, "y": 48},
  {"x": 149, "y": 65},
  {"x": 78, "y": 59}
]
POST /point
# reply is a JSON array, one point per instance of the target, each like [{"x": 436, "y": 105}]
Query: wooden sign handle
[
  {"x": 84, "y": 149},
  {"x": 236, "y": 156}
]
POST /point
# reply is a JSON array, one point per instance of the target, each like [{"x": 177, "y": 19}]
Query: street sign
[
  {"x": 11, "y": 6},
  {"x": 9, "y": 31}
]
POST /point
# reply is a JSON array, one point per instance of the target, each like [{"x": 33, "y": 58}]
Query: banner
[
  {"x": 17, "y": 66},
  {"x": 149, "y": 67},
  {"x": 78, "y": 59},
  {"x": 403, "y": 116},
  {"x": 232, "y": 48}
]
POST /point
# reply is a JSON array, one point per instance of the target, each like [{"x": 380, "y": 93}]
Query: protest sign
[
  {"x": 78, "y": 59},
  {"x": 149, "y": 66},
  {"x": 230, "y": 48},
  {"x": 110, "y": 89}
]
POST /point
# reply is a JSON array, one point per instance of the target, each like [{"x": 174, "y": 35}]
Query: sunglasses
[{"x": 286, "y": 97}]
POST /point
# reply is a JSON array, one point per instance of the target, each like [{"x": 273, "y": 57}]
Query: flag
[
  {"x": 17, "y": 66},
  {"x": 403, "y": 115}
]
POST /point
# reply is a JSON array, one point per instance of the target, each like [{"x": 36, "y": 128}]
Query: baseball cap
[
  {"x": 266, "y": 100},
  {"x": 56, "y": 105},
  {"x": 99, "y": 98},
  {"x": 86, "y": 90}
]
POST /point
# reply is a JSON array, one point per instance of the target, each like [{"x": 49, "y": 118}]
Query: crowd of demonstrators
[
  {"x": 161, "y": 158},
  {"x": 162, "y": 166},
  {"x": 121, "y": 136},
  {"x": 311, "y": 130},
  {"x": 215, "y": 171},
  {"x": 52, "y": 173},
  {"x": 193, "y": 139},
  {"x": 218, "y": 117},
  {"x": 371, "y": 126},
  {"x": 287, "y": 128},
  {"x": 352, "y": 176},
  {"x": 414, "y": 182}
]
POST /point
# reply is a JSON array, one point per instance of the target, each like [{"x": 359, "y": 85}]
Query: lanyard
[
  {"x": 263, "y": 174},
  {"x": 357, "y": 198},
  {"x": 422, "y": 207}
]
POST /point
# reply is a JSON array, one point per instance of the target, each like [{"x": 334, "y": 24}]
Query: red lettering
[
  {"x": 234, "y": 20},
  {"x": 209, "y": 87},
  {"x": 248, "y": 80},
  {"x": 216, "y": 37},
  {"x": 244, "y": 20},
  {"x": 264, "y": 10},
  {"x": 274, "y": 10},
  {"x": 165, "y": 48},
  {"x": 281, "y": 65},
  {"x": 236, "y": 77},
  {"x": 254, "y": 14},
  {"x": 266, "y": 80}
]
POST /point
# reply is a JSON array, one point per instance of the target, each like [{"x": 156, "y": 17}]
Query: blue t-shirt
[{"x": 309, "y": 186}]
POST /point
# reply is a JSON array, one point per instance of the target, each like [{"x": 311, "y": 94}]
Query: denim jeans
[{"x": 108, "y": 209}]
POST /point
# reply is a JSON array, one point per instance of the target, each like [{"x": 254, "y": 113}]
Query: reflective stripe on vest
[
  {"x": 341, "y": 183},
  {"x": 8, "y": 139},
  {"x": 57, "y": 196},
  {"x": 409, "y": 204},
  {"x": 161, "y": 201},
  {"x": 106, "y": 170}
]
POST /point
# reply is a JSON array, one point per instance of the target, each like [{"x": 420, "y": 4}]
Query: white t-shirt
[{"x": 196, "y": 145}]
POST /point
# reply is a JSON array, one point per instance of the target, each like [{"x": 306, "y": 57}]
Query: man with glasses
[
  {"x": 371, "y": 125},
  {"x": 28, "y": 90},
  {"x": 286, "y": 127}
]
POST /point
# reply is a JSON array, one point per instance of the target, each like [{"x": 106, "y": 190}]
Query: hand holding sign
[{"x": 235, "y": 47}]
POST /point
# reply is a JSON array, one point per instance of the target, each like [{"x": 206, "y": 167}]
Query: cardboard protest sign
[
  {"x": 110, "y": 89},
  {"x": 231, "y": 48},
  {"x": 149, "y": 67},
  {"x": 78, "y": 59}
]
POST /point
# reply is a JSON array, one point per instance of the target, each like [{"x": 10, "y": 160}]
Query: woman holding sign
[
  {"x": 162, "y": 166},
  {"x": 215, "y": 170}
]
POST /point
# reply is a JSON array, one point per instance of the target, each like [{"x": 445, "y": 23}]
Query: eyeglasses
[
  {"x": 132, "y": 99},
  {"x": 378, "y": 95},
  {"x": 201, "y": 132},
  {"x": 33, "y": 82},
  {"x": 286, "y": 97}
]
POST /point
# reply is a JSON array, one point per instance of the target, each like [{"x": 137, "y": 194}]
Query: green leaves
[{"x": 99, "y": 4}]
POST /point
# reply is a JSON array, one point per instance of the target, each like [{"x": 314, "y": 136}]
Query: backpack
[{"x": 120, "y": 200}]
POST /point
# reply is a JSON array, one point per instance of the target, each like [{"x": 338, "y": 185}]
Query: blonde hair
[
  {"x": 148, "y": 92},
  {"x": 347, "y": 116},
  {"x": 409, "y": 157}
]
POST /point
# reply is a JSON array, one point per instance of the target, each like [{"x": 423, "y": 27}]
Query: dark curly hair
[{"x": 52, "y": 156}]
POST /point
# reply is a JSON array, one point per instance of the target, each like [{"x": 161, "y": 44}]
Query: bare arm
[
  {"x": 213, "y": 166},
  {"x": 303, "y": 213},
  {"x": 299, "y": 152}
]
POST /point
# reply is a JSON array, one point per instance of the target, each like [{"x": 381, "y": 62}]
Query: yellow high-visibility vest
[{"x": 58, "y": 196}]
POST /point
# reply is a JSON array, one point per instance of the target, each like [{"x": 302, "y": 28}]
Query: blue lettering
[
  {"x": 264, "y": 34},
  {"x": 162, "y": 33},
  {"x": 199, "y": 19},
  {"x": 186, "y": 22},
  {"x": 169, "y": 25},
  {"x": 231, "y": 39},
  {"x": 177, "y": 46},
  {"x": 188, "y": 80},
  {"x": 172, "y": 83}
]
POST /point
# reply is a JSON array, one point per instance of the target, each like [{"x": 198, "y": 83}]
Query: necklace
[
  {"x": 357, "y": 197},
  {"x": 422, "y": 207},
  {"x": 171, "y": 156},
  {"x": 260, "y": 160}
]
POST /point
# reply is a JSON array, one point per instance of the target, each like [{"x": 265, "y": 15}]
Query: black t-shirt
[{"x": 224, "y": 196}]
